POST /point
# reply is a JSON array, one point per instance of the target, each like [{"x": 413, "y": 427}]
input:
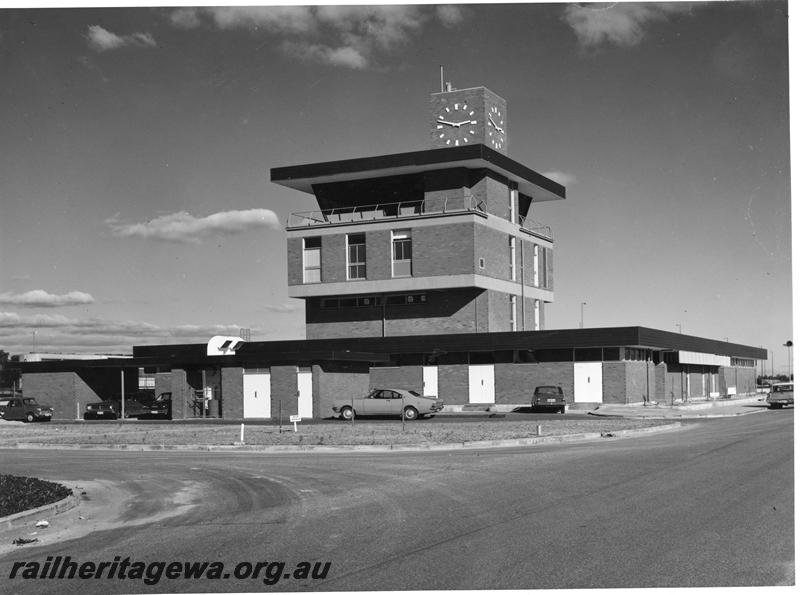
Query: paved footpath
[{"x": 696, "y": 409}]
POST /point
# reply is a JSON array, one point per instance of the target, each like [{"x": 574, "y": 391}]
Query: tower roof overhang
[{"x": 476, "y": 156}]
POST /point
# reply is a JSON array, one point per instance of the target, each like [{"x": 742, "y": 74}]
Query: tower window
[
  {"x": 311, "y": 260},
  {"x": 401, "y": 253},
  {"x": 357, "y": 256}
]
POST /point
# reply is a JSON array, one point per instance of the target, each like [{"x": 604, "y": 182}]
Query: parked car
[
  {"x": 389, "y": 402},
  {"x": 158, "y": 408},
  {"x": 550, "y": 398},
  {"x": 24, "y": 409},
  {"x": 113, "y": 409},
  {"x": 781, "y": 394}
]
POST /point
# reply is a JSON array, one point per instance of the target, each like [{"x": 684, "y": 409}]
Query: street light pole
[
  {"x": 582, "y": 305},
  {"x": 789, "y": 346},
  {"x": 680, "y": 330}
]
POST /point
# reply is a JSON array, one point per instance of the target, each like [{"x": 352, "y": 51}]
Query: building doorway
[
  {"x": 257, "y": 393},
  {"x": 481, "y": 383},
  {"x": 305, "y": 386},
  {"x": 588, "y": 382}
]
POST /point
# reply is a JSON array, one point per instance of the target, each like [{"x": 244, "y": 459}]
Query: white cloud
[
  {"x": 561, "y": 177},
  {"x": 450, "y": 15},
  {"x": 347, "y": 36},
  {"x": 41, "y": 298},
  {"x": 621, "y": 24},
  {"x": 183, "y": 227},
  {"x": 102, "y": 40},
  {"x": 62, "y": 333}
]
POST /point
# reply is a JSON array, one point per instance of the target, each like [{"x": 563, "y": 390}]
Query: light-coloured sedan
[{"x": 389, "y": 402}]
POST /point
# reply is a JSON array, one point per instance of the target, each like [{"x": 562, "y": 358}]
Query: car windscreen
[
  {"x": 415, "y": 393},
  {"x": 783, "y": 388}
]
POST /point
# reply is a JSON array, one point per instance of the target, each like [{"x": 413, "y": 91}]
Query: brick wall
[
  {"x": 640, "y": 381},
  {"x": 283, "y": 387},
  {"x": 614, "y": 382},
  {"x": 333, "y": 256},
  {"x": 659, "y": 394},
  {"x": 453, "y": 383},
  {"x": 492, "y": 246},
  {"x": 514, "y": 383},
  {"x": 379, "y": 254},
  {"x": 744, "y": 379},
  {"x": 443, "y": 250},
  {"x": 407, "y": 377},
  {"x": 63, "y": 390},
  {"x": 500, "y": 312},
  {"x": 333, "y": 381},
  {"x": 181, "y": 393},
  {"x": 232, "y": 393},
  {"x": 494, "y": 192},
  {"x": 294, "y": 260},
  {"x": 56, "y": 389}
]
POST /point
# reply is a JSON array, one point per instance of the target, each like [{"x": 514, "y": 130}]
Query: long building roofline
[
  {"x": 477, "y": 156},
  {"x": 378, "y": 349}
]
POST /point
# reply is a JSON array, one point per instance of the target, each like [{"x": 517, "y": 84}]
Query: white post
[
  {"x": 122, "y": 390},
  {"x": 241, "y": 434}
]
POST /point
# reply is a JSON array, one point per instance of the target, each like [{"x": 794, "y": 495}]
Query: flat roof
[
  {"x": 477, "y": 156},
  {"x": 379, "y": 349}
]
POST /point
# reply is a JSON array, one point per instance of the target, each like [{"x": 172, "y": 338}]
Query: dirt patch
[{"x": 336, "y": 434}]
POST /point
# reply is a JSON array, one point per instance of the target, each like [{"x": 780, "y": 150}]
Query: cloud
[
  {"x": 450, "y": 15},
  {"x": 282, "y": 308},
  {"x": 621, "y": 24},
  {"x": 63, "y": 333},
  {"x": 353, "y": 37},
  {"x": 561, "y": 177},
  {"x": 102, "y": 40},
  {"x": 40, "y": 298},
  {"x": 183, "y": 227}
]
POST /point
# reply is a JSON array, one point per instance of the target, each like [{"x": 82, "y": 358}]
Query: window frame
[{"x": 357, "y": 264}]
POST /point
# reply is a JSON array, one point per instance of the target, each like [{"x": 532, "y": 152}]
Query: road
[{"x": 708, "y": 505}]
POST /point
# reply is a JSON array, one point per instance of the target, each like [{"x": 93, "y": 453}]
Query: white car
[
  {"x": 389, "y": 402},
  {"x": 780, "y": 395}
]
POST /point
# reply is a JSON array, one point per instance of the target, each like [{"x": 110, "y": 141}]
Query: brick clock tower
[
  {"x": 469, "y": 116},
  {"x": 429, "y": 242}
]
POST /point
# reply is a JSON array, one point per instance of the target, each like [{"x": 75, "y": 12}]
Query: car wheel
[
  {"x": 347, "y": 413},
  {"x": 774, "y": 406},
  {"x": 29, "y": 417},
  {"x": 563, "y": 410},
  {"x": 410, "y": 413}
]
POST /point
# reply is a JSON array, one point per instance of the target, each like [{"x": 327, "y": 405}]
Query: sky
[{"x": 136, "y": 144}]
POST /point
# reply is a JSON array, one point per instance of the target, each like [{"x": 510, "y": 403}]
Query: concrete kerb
[
  {"x": 318, "y": 448},
  {"x": 14, "y": 520}
]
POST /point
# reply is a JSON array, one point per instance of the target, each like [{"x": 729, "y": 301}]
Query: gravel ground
[{"x": 362, "y": 433}]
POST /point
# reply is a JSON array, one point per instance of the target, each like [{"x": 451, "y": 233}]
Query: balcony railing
[
  {"x": 434, "y": 205},
  {"x": 536, "y": 228}
]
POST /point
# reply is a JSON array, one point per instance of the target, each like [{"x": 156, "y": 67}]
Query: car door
[
  {"x": 394, "y": 403},
  {"x": 369, "y": 405},
  {"x": 14, "y": 410}
]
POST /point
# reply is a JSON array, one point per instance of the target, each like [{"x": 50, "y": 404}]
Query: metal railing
[
  {"x": 536, "y": 228},
  {"x": 433, "y": 205}
]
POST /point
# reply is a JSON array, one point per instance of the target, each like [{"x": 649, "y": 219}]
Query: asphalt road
[{"x": 708, "y": 505}]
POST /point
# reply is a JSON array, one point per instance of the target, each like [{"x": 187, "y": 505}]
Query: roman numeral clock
[{"x": 468, "y": 116}]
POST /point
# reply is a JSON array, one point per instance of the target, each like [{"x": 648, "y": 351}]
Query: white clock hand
[{"x": 448, "y": 123}]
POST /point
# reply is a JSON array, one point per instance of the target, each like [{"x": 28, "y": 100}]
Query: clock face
[
  {"x": 496, "y": 128},
  {"x": 457, "y": 124}
]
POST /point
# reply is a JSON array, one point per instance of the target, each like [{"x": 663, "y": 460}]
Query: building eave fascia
[{"x": 475, "y": 156}]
